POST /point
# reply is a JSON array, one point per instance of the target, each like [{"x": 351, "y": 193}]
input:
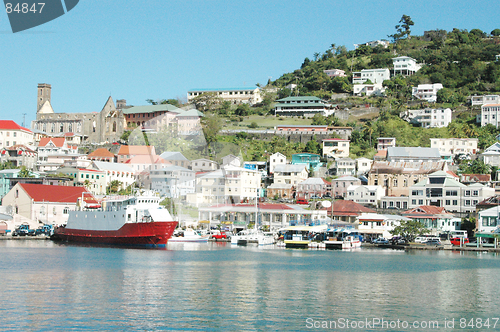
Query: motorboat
[{"x": 188, "y": 235}]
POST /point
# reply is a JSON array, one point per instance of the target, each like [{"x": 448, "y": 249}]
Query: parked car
[
  {"x": 327, "y": 195},
  {"x": 219, "y": 235},
  {"x": 380, "y": 240},
  {"x": 397, "y": 240},
  {"x": 301, "y": 201},
  {"x": 432, "y": 242},
  {"x": 315, "y": 197},
  {"x": 456, "y": 241}
]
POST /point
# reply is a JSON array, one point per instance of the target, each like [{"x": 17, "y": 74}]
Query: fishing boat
[
  {"x": 188, "y": 235},
  {"x": 132, "y": 221}
]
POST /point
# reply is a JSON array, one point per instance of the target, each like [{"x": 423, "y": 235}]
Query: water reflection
[{"x": 219, "y": 287}]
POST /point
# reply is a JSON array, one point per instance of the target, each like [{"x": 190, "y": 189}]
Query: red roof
[
  {"x": 11, "y": 125},
  {"x": 58, "y": 141},
  {"x": 347, "y": 208},
  {"x": 62, "y": 194},
  {"x": 425, "y": 210}
]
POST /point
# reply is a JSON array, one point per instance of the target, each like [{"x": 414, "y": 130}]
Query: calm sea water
[{"x": 216, "y": 287}]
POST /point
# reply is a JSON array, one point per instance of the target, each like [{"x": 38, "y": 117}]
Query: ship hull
[{"x": 151, "y": 234}]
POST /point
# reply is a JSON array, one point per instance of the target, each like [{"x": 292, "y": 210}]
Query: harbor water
[{"x": 218, "y": 287}]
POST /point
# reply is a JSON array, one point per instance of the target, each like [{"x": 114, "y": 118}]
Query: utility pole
[{"x": 24, "y": 118}]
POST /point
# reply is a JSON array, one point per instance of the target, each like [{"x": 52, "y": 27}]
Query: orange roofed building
[
  {"x": 102, "y": 154},
  {"x": 127, "y": 152}
]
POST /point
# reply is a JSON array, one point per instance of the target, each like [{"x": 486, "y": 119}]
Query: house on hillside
[
  {"x": 340, "y": 185},
  {"x": 427, "y": 92},
  {"x": 245, "y": 95},
  {"x": 404, "y": 65},
  {"x": 12, "y": 134},
  {"x": 276, "y": 159},
  {"x": 428, "y": 117},
  {"x": 310, "y": 160},
  {"x": 336, "y": 147},
  {"x": 302, "y": 106}
]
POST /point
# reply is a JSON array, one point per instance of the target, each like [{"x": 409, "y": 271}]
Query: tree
[
  {"x": 113, "y": 187},
  {"x": 25, "y": 173},
  {"x": 403, "y": 28},
  {"x": 409, "y": 229},
  {"x": 313, "y": 146},
  {"x": 211, "y": 124},
  {"x": 207, "y": 102},
  {"x": 495, "y": 32}
]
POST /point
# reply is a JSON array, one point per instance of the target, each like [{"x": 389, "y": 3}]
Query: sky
[{"x": 160, "y": 49}]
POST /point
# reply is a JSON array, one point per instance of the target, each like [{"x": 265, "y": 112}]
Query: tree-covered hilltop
[{"x": 463, "y": 61}]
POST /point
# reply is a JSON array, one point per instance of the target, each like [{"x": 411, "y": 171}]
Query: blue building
[{"x": 311, "y": 160}]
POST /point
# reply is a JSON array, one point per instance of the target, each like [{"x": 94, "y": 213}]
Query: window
[
  {"x": 467, "y": 193},
  {"x": 395, "y": 183},
  {"x": 455, "y": 202},
  {"x": 420, "y": 202}
]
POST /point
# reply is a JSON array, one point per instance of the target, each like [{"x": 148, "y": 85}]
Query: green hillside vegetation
[{"x": 463, "y": 61}]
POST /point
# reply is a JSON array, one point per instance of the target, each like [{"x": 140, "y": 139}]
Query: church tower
[{"x": 43, "y": 95}]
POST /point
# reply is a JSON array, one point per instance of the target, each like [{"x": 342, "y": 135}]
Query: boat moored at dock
[{"x": 132, "y": 221}]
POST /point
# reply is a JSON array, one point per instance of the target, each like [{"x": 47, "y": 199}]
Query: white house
[
  {"x": 245, "y": 95},
  {"x": 486, "y": 99},
  {"x": 404, "y": 65},
  {"x": 368, "y": 89},
  {"x": 115, "y": 172},
  {"x": 427, "y": 92},
  {"x": 488, "y": 220},
  {"x": 429, "y": 118},
  {"x": 290, "y": 174},
  {"x": 343, "y": 166},
  {"x": 336, "y": 148},
  {"x": 385, "y": 142},
  {"x": 491, "y": 155},
  {"x": 455, "y": 146},
  {"x": 375, "y": 225},
  {"x": 365, "y": 194},
  {"x": 13, "y": 134},
  {"x": 374, "y": 43},
  {"x": 334, "y": 73},
  {"x": 490, "y": 114},
  {"x": 376, "y": 76},
  {"x": 173, "y": 181},
  {"x": 227, "y": 184},
  {"x": 276, "y": 159},
  {"x": 363, "y": 165}
]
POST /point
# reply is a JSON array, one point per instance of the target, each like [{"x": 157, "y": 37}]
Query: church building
[{"x": 94, "y": 127}]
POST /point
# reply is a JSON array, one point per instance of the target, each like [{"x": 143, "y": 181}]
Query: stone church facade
[{"x": 104, "y": 126}]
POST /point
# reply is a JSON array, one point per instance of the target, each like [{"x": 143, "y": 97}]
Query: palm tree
[{"x": 368, "y": 130}]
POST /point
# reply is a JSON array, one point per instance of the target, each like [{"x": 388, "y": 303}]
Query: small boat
[
  {"x": 135, "y": 221},
  {"x": 302, "y": 236},
  {"x": 253, "y": 236},
  {"x": 342, "y": 239},
  {"x": 188, "y": 235}
]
